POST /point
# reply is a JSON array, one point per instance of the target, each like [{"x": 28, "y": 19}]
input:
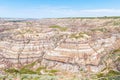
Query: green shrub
[
  {"x": 29, "y": 65},
  {"x": 53, "y": 71},
  {"x": 12, "y": 70},
  {"x": 39, "y": 69},
  {"x": 26, "y": 71}
]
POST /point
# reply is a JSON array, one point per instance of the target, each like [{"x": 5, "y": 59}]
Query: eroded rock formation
[{"x": 80, "y": 47}]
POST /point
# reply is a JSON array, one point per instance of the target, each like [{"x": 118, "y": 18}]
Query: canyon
[{"x": 66, "y": 44}]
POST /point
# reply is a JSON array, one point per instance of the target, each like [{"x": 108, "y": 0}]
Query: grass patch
[
  {"x": 79, "y": 35},
  {"x": 111, "y": 75},
  {"x": 99, "y": 29},
  {"x": 12, "y": 70},
  {"x": 116, "y": 23},
  {"x": 27, "y": 71},
  {"x": 59, "y": 27}
]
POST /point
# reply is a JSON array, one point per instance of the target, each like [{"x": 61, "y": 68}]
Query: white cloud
[
  {"x": 102, "y": 10},
  {"x": 53, "y": 11}
]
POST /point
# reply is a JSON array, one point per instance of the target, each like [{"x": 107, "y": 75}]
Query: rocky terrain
[{"x": 68, "y": 44}]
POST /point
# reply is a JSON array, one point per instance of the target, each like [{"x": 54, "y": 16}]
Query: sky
[{"x": 58, "y": 8}]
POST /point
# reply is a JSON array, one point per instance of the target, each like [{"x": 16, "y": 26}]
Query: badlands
[{"x": 66, "y": 44}]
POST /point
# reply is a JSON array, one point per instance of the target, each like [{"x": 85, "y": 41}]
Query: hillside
[{"x": 68, "y": 46}]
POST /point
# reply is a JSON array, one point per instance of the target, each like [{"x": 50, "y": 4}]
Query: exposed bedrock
[{"x": 56, "y": 49}]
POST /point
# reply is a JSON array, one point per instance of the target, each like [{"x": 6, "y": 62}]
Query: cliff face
[{"x": 64, "y": 44}]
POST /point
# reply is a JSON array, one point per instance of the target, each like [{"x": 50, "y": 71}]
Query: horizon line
[{"x": 61, "y": 17}]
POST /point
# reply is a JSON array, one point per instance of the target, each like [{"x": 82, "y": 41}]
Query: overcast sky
[{"x": 58, "y": 8}]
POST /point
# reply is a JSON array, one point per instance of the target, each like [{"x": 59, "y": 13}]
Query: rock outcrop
[{"x": 56, "y": 49}]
